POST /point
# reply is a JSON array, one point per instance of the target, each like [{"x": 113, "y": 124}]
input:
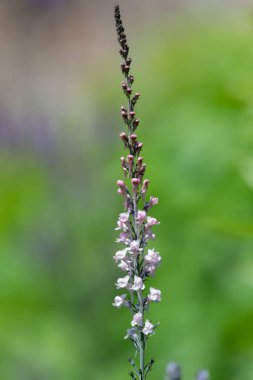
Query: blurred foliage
[{"x": 58, "y": 212}]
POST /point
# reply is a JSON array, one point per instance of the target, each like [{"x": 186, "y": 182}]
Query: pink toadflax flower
[
  {"x": 119, "y": 300},
  {"x": 154, "y": 295},
  {"x": 148, "y": 328},
  {"x": 138, "y": 284},
  {"x": 137, "y": 319},
  {"x": 122, "y": 282}
]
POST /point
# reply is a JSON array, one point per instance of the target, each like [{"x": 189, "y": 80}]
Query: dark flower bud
[
  {"x": 129, "y": 91},
  {"x": 133, "y": 138},
  {"x": 136, "y": 122},
  {"x": 123, "y": 53},
  {"x": 124, "y": 85},
  {"x": 132, "y": 114},
  {"x": 131, "y": 79},
  {"x": 126, "y": 69},
  {"x": 143, "y": 169},
  {"x": 135, "y": 98},
  {"x": 128, "y": 61},
  {"x": 122, "y": 66},
  {"x": 124, "y": 115},
  {"x": 139, "y": 148},
  {"x": 122, "y": 40}
]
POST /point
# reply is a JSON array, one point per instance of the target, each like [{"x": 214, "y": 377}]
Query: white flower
[
  {"x": 148, "y": 328},
  {"x": 123, "y": 238},
  {"x": 151, "y": 221},
  {"x": 152, "y": 257},
  {"x": 123, "y": 217},
  {"x": 123, "y": 221},
  {"x": 137, "y": 320},
  {"x": 119, "y": 300},
  {"x": 138, "y": 284},
  {"x": 141, "y": 216},
  {"x": 120, "y": 255},
  {"x": 122, "y": 282},
  {"x": 134, "y": 247},
  {"x": 154, "y": 295},
  {"x": 124, "y": 266}
]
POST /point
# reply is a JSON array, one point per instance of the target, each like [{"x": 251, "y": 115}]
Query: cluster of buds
[{"x": 135, "y": 226}]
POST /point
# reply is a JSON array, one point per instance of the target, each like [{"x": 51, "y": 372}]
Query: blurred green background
[{"x": 59, "y": 162}]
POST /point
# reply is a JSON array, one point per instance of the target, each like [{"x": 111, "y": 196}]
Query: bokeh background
[{"x": 59, "y": 161}]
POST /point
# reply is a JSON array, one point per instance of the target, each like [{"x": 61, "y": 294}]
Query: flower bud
[
  {"x": 133, "y": 139},
  {"x": 132, "y": 114},
  {"x": 122, "y": 66},
  {"x": 122, "y": 187},
  {"x": 145, "y": 186},
  {"x": 139, "y": 148},
  {"x": 139, "y": 161},
  {"x": 121, "y": 184},
  {"x": 134, "y": 99},
  {"x": 136, "y": 122},
  {"x": 124, "y": 85},
  {"x": 131, "y": 79},
  {"x": 135, "y": 183},
  {"x": 123, "y": 165},
  {"x": 143, "y": 169},
  {"x": 129, "y": 91},
  {"x": 130, "y": 160},
  {"x": 124, "y": 116},
  {"x": 124, "y": 138}
]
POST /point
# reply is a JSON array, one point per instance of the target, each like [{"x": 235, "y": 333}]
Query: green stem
[{"x": 142, "y": 357}]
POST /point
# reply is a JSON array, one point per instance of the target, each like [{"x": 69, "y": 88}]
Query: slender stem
[
  {"x": 142, "y": 359},
  {"x": 140, "y": 300}
]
